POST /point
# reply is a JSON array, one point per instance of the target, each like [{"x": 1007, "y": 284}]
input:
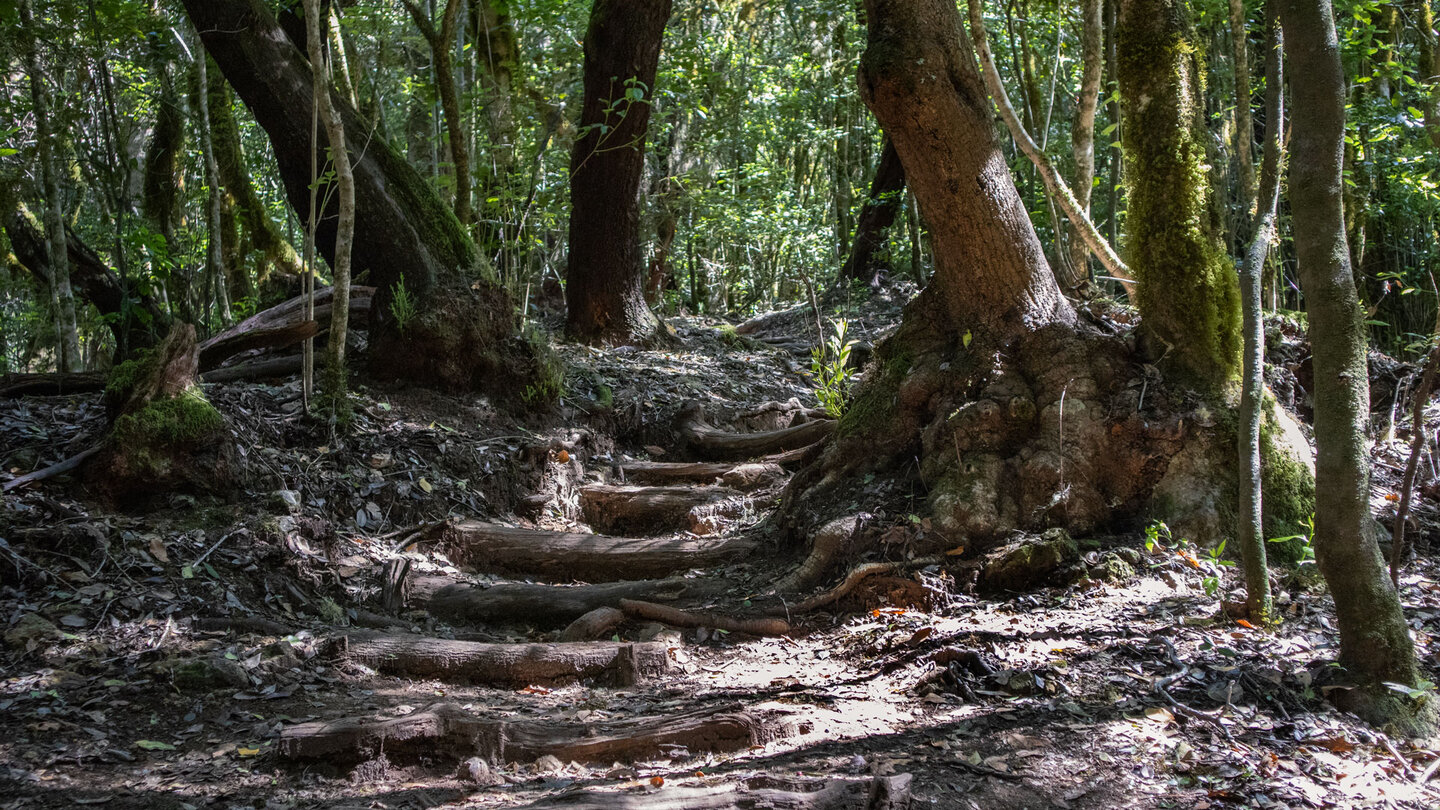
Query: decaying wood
[
  {"x": 596, "y": 624},
  {"x": 546, "y": 605},
  {"x": 712, "y": 443},
  {"x": 677, "y": 617},
  {"x": 240, "y": 624},
  {"x": 759, "y": 793},
  {"x": 743, "y": 477},
  {"x": 447, "y": 731},
  {"x": 51, "y": 385},
  {"x": 651, "y": 509},
  {"x": 255, "y": 370},
  {"x": 58, "y": 468},
  {"x": 590, "y": 557},
  {"x": 279, "y": 325},
  {"x": 513, "y": 665}
]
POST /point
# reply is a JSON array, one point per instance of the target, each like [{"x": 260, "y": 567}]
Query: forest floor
[{"x": 211, "y": 652}]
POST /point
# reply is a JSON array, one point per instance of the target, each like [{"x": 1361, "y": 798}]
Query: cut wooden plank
[
  {"x": 445, "y": 731},
  {"x": 758, "y": 793},
  {"x": 744, "y": 477},
  {"x": 654, "y": 509},
  {"x": 589, "y": 557},
  {"x": 712, "y": 443},
  {"x": 546, "y": 605},
  {"x": 512, "y": 665}
]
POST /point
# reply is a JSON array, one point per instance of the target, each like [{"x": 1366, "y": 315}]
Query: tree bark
[
  {"x": 1375, "y": 644},
  {"x": 1187, "y": 292},
  {"x": 1250, "y": 533},
  {"x": 918, "y": 75},
  {"x": 1082, "y": 130},
  {"x": 442, "y": 42},
  {"x": 216, "y": 273},
  {"x": 887, "y": 193},
  {"x": 461, "y": 338},
  {"x": 62, "y": 300},
  {"x": 605, "y": 277},
  {"x": 1244, "y": 129}
]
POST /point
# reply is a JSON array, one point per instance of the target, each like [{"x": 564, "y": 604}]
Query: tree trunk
[
  {"x": 1250, "y": 534},
  {"x": 160, "y": 200},
  {"x": 1244, "y": 129},
  {"x": 990, "y": 270},
  {"x": 235, "y": 177},
  {"x": 605, "y": 279},
  {"x": 1082, "y": 131},
  {"x": 67, "y": 340},
  {"x": 887, "y": 193},
  {"x": 496, "y": 53},
  {"x": 1375, "y": 644},
  {"x": 442, "y": 42},
  {"x": 216, "y": 273},
  {"x": 461, "y": 337},
  {"x": 1187, "y": 291},
  {"x": 1430, "y": 71},
  {"x": 335, "y": 385}
]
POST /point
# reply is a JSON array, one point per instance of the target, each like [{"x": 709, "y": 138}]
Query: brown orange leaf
[
  {"x": 563, "y": 457},
  {"x": 1244, "y": 623},
  {"x": 657, "y": 781}
]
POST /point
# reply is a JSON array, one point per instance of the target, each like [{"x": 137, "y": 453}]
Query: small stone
[
  {"x": 291, "y": 499},
  {"x": 380, "y": 460},
  {"x": 30, "y": 627},
  {"x": 549, "y": 764},
  {"x": 478, "y": 771}
]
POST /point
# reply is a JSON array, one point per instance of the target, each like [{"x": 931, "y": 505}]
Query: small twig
[
  {"x": 1399, "y": 760},
  {"x": 53, "y": 470},
  {"x": 212, "y": 548},
  {"x": 1424, "y": 776},
  {"x": 420, "y": 533}
]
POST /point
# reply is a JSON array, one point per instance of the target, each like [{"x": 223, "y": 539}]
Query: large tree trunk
[
  {"x": 919, "y": 77},
  {"x": 1082, "y": 131},
  {"x": 605, "y": 278},
  {"x": 463, "y": 334},
  {"x": 887, "y": 193},
  {"x": 1375, "y": 645},
  {"x": 1187, "y": 292}
]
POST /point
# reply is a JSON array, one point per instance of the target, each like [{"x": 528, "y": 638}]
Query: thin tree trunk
[
  {"x": 1244, "y": 129},
  {"x": 604, "y": 290},
  {"x": 1082, "y": 131},
  {"x": 1430, "y": 71},
  {"x": 216, "y": 273},
  {"x": 345, "y": 229},
  {"x": 1250, "y": 532},
  {"x": 67, "y": 339},
  {"x": 1060, "y": 192},
  {"x": 887, "y": 195},
  {"x": 1375, "y": 644},
  {"x": 442, "y": 42}
]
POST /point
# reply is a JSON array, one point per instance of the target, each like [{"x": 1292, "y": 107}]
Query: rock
[
  {"x": 290, "y": 499},
  {"x": 209, "y": 673},
  {"x": 1113, "y": 567},
  {"x": 478, "y": 771},
  {"x": 1028, "y": 563},
  {"x": 30, "y": 627},
  {"x": 549, "y": 764}
]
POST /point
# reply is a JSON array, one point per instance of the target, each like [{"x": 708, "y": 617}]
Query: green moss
[
  {"x": 185, "y": 419},
  {"x": 124, "y": 376},
  {"x": 1289, "y": 492},
  {"x": 547, "y": 380},
  {"x": 873, "y": 405}
]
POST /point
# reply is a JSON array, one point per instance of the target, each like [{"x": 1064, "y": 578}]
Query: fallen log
[
  {"x": 743, "y": 477},
  {"x": 712, "y": 443},
  {"x": 275, "y": 337},
  {"x": 758, "y": 793},
  {"x": 50, "y": 384},
  {"x": 676, "y": 617},
  {"x": 545, "y": 605},
  {"x": 446, "y": 731},
  {"x": 493, "y": 548},
  {"x": 653, "y": 509},
  {"x": 509, "y": 665},
  {"x": 282, "y": 325},
  {"x": 58, "y": 468},
  {"x": 255, "y": 370}
]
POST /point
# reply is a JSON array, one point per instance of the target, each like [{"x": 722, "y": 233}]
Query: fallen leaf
[
  {"x": 157, "y": 549},
  {"x": 657, "y": 781},
  {"x": 247, "y": 752},
  {"x": 1159, "y": 714},
  {"x": 1244, "y": 623},
  {"x": 654, "y": 450},
  {"x": 425, "y": 485},
  {"x": 563, "y": 457},
  {"x": 154, "y": 745}
]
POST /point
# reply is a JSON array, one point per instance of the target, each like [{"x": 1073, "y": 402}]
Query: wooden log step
[
  {"x": 509, "y": 665},
  {"x": 712, "y": 443},
  {"x": 493, "y": 548},
  {"x": 657, "y": 509},
  {"x": 743, "y": 477},
  {"x": 446, "y": 731},
  {"x": 758, "y": 793},
  {"x": 544, "y": 606}
]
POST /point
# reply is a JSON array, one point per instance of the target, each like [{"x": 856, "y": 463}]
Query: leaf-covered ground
[{"x": 154, "y": 658}]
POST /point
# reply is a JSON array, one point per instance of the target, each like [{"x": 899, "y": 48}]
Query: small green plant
[
  {"x": 402, "y": 308},
  {"x": 1307, "y": 548},
  {"x": 1157, "y": 535},
  {"x": 1211, "y": 582},
  {"x": 830, "y": 368}
]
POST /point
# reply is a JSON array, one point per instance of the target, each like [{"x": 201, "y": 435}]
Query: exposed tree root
[
  {"x": 743, "y": 477},
  {"x": 828, "y": 544},
  {"x": 447, "y": 731},
  {"x": 857, "y": 575},
  {"x": 621, "y": 664},
  {"x": 592, "y": 557},
  {"x": 759, "y": 793},
  {"x": 545, "y": 605},
  {"x": 596, "y": 624},
  {"x": 712, "y": 443},
  {"x": 677, "y": 617},
  {"x": 649, "y": 509}
]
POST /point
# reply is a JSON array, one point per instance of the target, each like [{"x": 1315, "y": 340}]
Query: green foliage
[
  {"x": 185, "y": 419},
  {"x": 547, "y": 382},
  {"x": 830, "y": 370},
  {"x": 402, "y": 308}
]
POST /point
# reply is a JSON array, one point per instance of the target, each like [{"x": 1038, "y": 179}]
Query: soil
[{"x": 190, "y": 655}]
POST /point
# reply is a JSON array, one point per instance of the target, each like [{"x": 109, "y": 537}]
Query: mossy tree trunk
[
  {"x": 442, "y": 43},
  {"x": 605, "y": 277},
  {"x": 1375, "y": 644},
  {"x": 1186, "y": 287},
  {"x": 1082, "y": 131},
  {"x": 1250, "y": 535},
  {"x": 462, "y": 334}
]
